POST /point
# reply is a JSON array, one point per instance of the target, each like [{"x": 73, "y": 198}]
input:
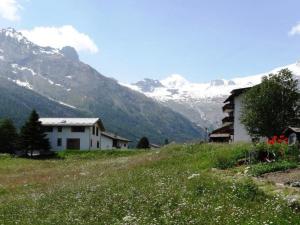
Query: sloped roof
[
  {"x": 114, "y": 136},
  {"x": 235, "y": 93},
  {"x": 228, "y": 129},
  {"x": 71, "y": 122},
  {"x": 292, "y": 129}
]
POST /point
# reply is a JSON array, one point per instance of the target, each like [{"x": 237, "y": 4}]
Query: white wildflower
[{"x": 194, "y": 175}]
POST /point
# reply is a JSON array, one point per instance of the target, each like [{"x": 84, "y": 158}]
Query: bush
[
  {"x": 263, "y": 168},
  {"x": 143, "y": 143},
  {"x": 263, "y": 152},
  {"x": 292, "y": 153}
]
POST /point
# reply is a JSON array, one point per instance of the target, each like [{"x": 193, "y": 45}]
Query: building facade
[
  {"x": 113, "y": 141},
  {"x": 232, "y": 130},
  {"x": 79, "y": 134}
]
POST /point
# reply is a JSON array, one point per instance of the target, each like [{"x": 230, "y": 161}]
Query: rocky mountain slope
[
  {"x": 17, "y": 102},
  {"x": 199, "y": 102},
  {"x": 59, "y": 76}
]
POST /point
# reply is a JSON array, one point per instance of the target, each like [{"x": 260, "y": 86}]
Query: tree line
[{"x": 30, "y": 138}]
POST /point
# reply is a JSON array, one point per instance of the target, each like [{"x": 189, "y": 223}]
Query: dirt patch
[{"x": 283, "y": 177}]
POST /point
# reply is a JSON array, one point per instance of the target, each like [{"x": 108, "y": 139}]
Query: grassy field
[{"x": 176, "y": 185}]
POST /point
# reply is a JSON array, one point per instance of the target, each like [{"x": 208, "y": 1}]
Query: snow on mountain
[
  {"x": 199, "y": 102},
  {"x": 12, "y": 33},
  {"x": 176, "y": 87},
  {"x": 60, "y": 75}
]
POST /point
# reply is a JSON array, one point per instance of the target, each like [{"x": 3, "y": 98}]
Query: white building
[
  {"x": 232, "y": 129},
  {"x": 75, "y": 133},
  {"x": 113, "y": 141}
]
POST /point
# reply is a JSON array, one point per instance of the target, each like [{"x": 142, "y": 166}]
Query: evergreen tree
[
  {"x": 8, "y": 136},
  {"x": 268, "y": 108},
  {"x": 32, "y": 136},
  {"x": 143, "y": 143},
  {"x": 166, "y": 141}
]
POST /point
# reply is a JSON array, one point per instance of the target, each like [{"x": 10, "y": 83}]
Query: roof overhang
[
  {"x": 292, "y": 130},
  {"x": 71, "y": 122},
  {"x": 219, "y": 136},
  {"x": 114, "y": 136},
  {"x": 235, "y": 93}
]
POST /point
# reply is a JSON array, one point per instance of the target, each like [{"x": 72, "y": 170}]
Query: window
[
  {"x": 59, "y": 129},
  {"x": 97, "y": 144},
  {"x": 124, "y": 145},
  {"x": 77, "y": 129},
  {"x": 58, "y": 141},
  {"x": 91, "y": 143},
  {"x": 93, "y": 130},
  {"x": 48, "y": 129},
  {"x": 97, "y": 131}
]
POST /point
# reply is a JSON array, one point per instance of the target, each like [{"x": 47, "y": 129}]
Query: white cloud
[
  {"x": 58, "y": 37},
  {"x": 9, "y": 10},
  {"x": 295, "y": 30}
]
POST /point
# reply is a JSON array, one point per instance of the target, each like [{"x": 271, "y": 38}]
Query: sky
[{"x": 129, "y": 40}]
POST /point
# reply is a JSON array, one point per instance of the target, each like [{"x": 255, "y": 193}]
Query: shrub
[
  {"x": 143, "y": 143},
  {"x": 293, "y": 153},
  {"x": 263, "y": 168},
  {"x": 263, "y": 152}
]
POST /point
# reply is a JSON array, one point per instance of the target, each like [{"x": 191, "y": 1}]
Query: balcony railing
[
  {"x": 228, "y": 108},
  {"x": 228, "y": 119}
]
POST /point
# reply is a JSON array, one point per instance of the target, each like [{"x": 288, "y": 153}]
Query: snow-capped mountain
[
  {"x": 199, "y": 102},
  {"x": 57, "y": 83}
]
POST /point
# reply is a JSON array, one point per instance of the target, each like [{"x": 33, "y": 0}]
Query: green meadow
[{"x": 178, "y": 184}]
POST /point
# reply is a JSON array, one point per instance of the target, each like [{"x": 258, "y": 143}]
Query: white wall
[
  {"x": 122, "y": 144},
  {"x": 240, "y": 132},
  {"x": 95, "y": 138},
  {"x": 85, "y": 138},
  {"x": 106, "y": 142}
]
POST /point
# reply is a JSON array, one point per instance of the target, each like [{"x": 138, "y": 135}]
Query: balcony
[
  {"x": 228, "y": 108},
  {"x": 228, "y": 120}
]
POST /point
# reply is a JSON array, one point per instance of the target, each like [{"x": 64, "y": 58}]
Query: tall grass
[{"x": 173, "y": 186}]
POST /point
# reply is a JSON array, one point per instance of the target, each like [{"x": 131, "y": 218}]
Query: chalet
[
  {"x": 293, "y": 133},
  {"x": 74, "y": 133},
  {"x": 232, "y": 130},
  {"x": 113, "y": 141}
]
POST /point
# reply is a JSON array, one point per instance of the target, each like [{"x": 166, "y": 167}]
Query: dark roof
[
  {"x": 225, "y": 129},
  {"x": 292, "y": 130},
  {"x": 235, "y": 93},
  {"x": 228, "y": 119},
  {"x": 114, "y": 136}
]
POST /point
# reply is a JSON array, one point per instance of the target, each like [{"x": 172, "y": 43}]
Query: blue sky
[{"x": 201, "y": 40}]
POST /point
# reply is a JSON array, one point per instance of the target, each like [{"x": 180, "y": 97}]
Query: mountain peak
[
  {"x": 70, "y": 53},
  {"x": 217, "y": 82},
  {"x": 14, "y": 34},
  {"x": 174, "y": 81},
  {"x": 148, "y": 85}
]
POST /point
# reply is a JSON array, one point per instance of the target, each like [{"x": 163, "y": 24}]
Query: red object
[{"x": 277, "y": 139}]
